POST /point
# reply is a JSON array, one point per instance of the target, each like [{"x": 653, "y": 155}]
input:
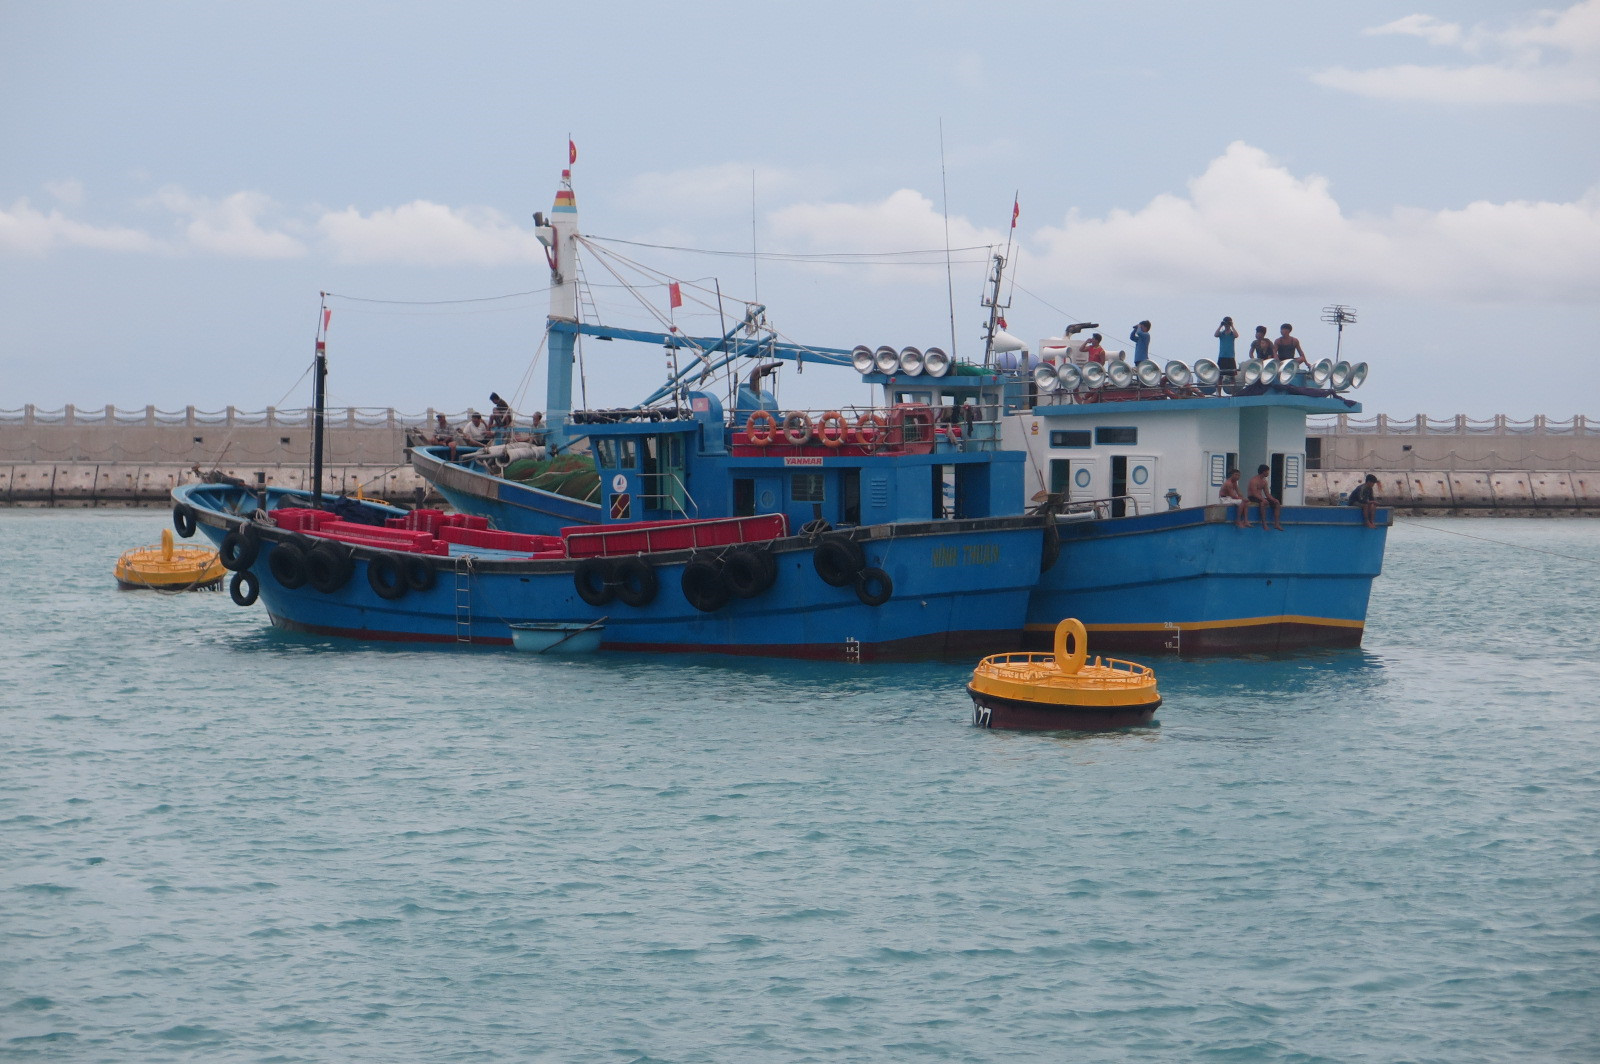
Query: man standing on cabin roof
[{"x": 1141, "y": 342}]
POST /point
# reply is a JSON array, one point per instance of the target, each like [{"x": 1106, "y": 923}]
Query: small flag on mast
[
  {"x": 327, "y": 316},
  {"x": 572, "y": 152},
  {"x": 675, "y": 295},
  {"x": 1016, "y": 209}
]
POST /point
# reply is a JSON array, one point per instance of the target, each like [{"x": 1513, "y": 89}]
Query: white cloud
[
  {"x": 1547, "y": 57},
  {"x": 68, "y": 191},
  {"x": 432, "y": 234},
  {"x": 229, "y": 227},
  {"x": 24, "y": 230},
  {"x": 722, "y": 190},
  {"x": 1247, "y": 224}
]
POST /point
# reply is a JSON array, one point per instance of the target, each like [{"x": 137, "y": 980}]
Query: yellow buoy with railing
[
  {"x": 1063, "y": 691},
  {"x": 165, "y": 567}
]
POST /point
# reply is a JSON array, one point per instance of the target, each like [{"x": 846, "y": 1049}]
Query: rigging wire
[
  {"x": 438, "y": 302},
  {"x": 835, "y": 258}
]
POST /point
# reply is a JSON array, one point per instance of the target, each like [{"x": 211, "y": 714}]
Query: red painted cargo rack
[{"x": 647, "y": 537}]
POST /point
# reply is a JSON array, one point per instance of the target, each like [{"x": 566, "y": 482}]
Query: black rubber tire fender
[
  {"x": 328, "y": 567},
  {"x": 387, "y": 577},
  {"x": 420, "y": 573},
  {"x": 244, "y": 588},
  {"x": 703, "y": 584},
  {"x": 183, "y": 520},
  {"x": 1051, "y": 551},
  {"x": 636, "y": 582},
  {"x": 837, "y": 560},
  {"x": 749, "y": 572},
  {"x": 593, "y": 581},
  {"x": 287, "y": 562},
  {"x": 874, "y": 587},
  {"x": 239, "y": 548}
]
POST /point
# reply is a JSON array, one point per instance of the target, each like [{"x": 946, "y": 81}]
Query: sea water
[{"x": 223, "y": 843}]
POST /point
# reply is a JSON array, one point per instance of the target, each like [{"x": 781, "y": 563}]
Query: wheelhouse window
[
  {"x": 805, "y": 487},
  {"x": 1071, "y": 438},
  {"x": 605, "y": 453},
  {"x": 1116, "y": 436}
]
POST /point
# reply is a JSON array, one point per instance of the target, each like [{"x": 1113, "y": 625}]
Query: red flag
[
  {"x": 1016, "y": 209},
  {"x": 675, "y": 295},
  {"x": 327, "y": 316},
  {"x": 1001, "y": 322},
  {"x": 572, "y": 152}
]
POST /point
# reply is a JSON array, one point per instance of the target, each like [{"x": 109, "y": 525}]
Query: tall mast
[
  {"x": 993, "y": 303},
  {"x": 319, "y": 400},
  {"x": 558, "y": 232}
]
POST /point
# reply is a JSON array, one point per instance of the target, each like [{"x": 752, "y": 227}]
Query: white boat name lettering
[{"x": 802, "y": 461}]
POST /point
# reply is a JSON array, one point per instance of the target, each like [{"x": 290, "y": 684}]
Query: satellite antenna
[{"x": 1339, "y": 315}]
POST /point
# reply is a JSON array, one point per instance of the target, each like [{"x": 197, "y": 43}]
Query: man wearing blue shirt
[{"x": 1141, "y": 342}]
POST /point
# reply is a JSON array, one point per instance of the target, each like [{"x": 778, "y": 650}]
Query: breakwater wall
[
  {"x": 107, "y": 456},
  {"x": 1498, "y": 465}
]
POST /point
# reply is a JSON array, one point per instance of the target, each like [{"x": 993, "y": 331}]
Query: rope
[
  {"x": 829, "y": 258},
  {"x": 1504, "y": 543}
]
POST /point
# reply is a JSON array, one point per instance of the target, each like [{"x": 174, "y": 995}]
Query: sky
[{"x": 179, "y": 183}]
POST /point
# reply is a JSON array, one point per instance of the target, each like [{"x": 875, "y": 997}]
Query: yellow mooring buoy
[
  {"x": 1062, "y": 691},
  {"x": 164, "y": 567}
]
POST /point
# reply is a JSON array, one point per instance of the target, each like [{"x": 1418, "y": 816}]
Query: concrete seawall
[{"x": 112, "y": 457}]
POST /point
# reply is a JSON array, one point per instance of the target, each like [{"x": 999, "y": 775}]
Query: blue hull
[
  {"x": 958, "y": 589},
  {"x": 1189, "y": 581}
]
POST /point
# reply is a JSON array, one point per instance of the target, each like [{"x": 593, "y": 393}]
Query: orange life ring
[
  {"x": 796, "y": 427},
  {"x": 832, "y": 417},
  {"x": 761, "y": 435},
  {"x": 876, "y": 424}
]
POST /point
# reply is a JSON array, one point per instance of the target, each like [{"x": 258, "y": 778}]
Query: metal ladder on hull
[{"x": 463, "y": 598}]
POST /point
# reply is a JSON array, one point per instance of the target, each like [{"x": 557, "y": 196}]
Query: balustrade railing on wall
[
  {"x": 192, "y": 417},
  {"x": 1459, "y": 425}
]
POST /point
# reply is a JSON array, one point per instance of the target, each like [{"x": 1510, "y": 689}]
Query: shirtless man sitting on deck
[
  {"x": 1260, "y": 492},
  {"x": 1230, "y": 490}
]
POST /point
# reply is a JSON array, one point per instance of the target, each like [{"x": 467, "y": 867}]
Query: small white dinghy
[{"x": 559, "y": 637}]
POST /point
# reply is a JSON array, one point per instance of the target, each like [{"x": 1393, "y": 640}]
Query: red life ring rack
[
  {"x": 874, "y": 422},
  {"x": 760, "y": 426},
  {"x": 842, "y": 430},
  {"x": 796, "y": 427}
]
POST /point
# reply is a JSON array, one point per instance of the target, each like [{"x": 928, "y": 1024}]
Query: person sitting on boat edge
[
  {"x": 499, "y": 418},
  {"x": 1366, "y": 497},
  {"x": 1260, "y": 492},
  {"x": 1141, "y": 342},
  {"x": 474, "y": 432},
  {"x": 1230, "y": 490}
]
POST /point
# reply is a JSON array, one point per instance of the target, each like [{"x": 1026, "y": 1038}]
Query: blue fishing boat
[{"x": 970, "y": 509}]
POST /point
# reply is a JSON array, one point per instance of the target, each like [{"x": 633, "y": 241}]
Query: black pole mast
[{"x": 319, "y": 400}]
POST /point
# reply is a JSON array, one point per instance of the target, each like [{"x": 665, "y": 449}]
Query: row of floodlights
[
  {"x": 907, "y": 360},
  {"x": 1336, "y": 376}
]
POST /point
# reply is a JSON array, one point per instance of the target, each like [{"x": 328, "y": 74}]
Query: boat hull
[
  {"x": 958, "y": 588},
  {"x": 1191, "y": 582},
  {"x": 507, "y": 504},
  {"x": 990, "y": 710}
]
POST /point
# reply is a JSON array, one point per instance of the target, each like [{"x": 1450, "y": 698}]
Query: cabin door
[{"x": 1141, "y": 486}]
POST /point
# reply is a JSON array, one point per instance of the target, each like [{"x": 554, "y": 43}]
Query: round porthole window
[
  {"x": 1081, "y": 478},
  {"x": 768, "y": 500},
  {"x": 1140, "y": 474}
]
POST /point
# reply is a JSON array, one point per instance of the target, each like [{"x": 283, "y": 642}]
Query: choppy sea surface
[{"x": 218, "y": 842}]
